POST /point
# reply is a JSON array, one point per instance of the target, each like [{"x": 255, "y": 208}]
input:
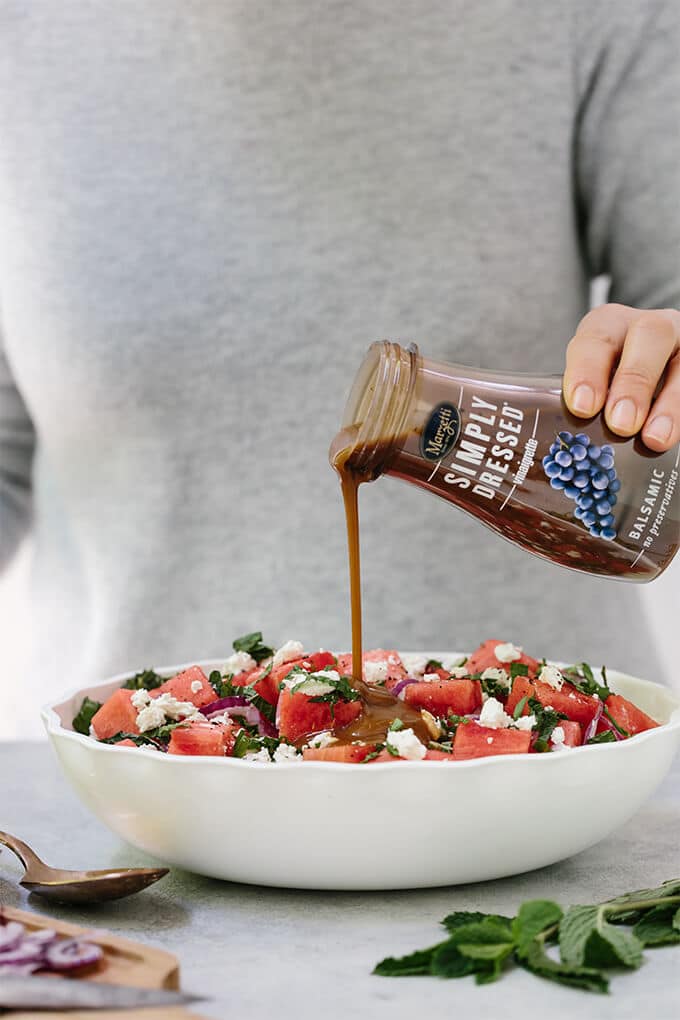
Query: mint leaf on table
[
  {"x": 252, "y": 644},
  {"x": 145, "y": 680},
  {"x": 659, "y": 927},
  {"x": 533, "y": 918},
  {"x": 488, "y": 943},
  {"x": 82, "y": 721},
  {"x": 588, "y": 939},
  {"x": 454, "y": 921},
  {"x": 448, "y": 962},
  {"x": 413, "y": 965},
  {"x": 535, "y": 959}
]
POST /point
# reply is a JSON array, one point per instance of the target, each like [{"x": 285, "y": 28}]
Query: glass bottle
[{"x": 504, "y": 448}]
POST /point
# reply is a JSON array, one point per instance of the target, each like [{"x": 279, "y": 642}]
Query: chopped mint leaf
[
  {"x": 588, "y": 939},
  {"x": 392, "y": 750},
  {"x": 519, "y": 707},
  {"x": 247, "y": 743},
  {"x": 396, "y": 725},
  {"x": 223, "y": 686},
  {"x": 252, "y": 644},
  {"x": 606, "y": 737},
  {"x": 583, "y": 679},
  {"x": 492, "y": 688},
  {"x": 518, "y": 669},
  {"x": 342, "y": 690},
  {"x": 546, "y": 721},
  {"x": 82, "y": 721},
  {"x": 431, "y": 665},
  {"x": 372, "y": 755},
  {"x": 146, "y": 680}
]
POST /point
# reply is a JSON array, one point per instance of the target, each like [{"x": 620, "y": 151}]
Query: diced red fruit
[
  {"x": 573, "y": 733},
  {"x": 522, "y": 687},
  {"x": 484, "y": 657},
  {"x": 475, "y": 741},
  {"x": 180, "y": 687},
  {"x": 433, "y": 755},
  {"x": 443, "y": 674},
  {"x": 384, "y": 756},
  {"x": 202, "y": 738},
  {"x": 458, "y": 696},
  {"x": 395, "y": 667},
  {"x": 300, "y": 716},
  {"x": 124, "y": 743},
  {"x": 628, "y": 716},
  {"x": 261, "y": 680},
  {"x": 581, "y": 708},
  {"x": 117, "y": 715},
  {"x": 320, "y": 660},
  {"x": 348, "y": 753}
]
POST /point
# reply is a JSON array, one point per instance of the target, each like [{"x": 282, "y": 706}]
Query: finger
[
  {"x": 662, "y": 428},
  {"x": 651, "y": 341},
  {"x": 591, "y": 356}
]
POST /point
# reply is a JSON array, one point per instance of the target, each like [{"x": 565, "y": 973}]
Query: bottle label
[
  {"x": 441, "y": 431},
  {"x": 564, "y": 488}
]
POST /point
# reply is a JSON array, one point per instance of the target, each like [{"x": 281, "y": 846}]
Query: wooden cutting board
[{"x": 124, "y": 963}]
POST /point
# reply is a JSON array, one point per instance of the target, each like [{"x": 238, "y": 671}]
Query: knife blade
[{"x": 56, "y": 993}]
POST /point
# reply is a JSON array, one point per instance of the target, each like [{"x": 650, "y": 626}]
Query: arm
[
  {"x": 17, "y": 441},
  {"x": 627, "y": 180}
]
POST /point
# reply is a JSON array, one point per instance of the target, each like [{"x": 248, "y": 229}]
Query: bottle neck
[{"x": 377, "y": 410}]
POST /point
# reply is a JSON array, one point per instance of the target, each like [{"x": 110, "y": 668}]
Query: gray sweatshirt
[{"x": 208, "y": 209}]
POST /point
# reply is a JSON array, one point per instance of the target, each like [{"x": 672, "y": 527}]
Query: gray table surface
[{"x": 258, "y": 952}]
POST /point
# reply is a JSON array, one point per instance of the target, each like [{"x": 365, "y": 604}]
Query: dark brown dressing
[{"x": 381, "y": 708}]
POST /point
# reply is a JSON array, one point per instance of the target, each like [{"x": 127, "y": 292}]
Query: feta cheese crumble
[
  {"x": 406, "y": 744},
  {"x": 288, "y": 652},
  {"x": 196, "y": 686},
  {"x": 324, "y": 739},
  {"x": 507, "y": 652},
  {"x": 525, "y": 722},
  {"x": 497, "y": 674},
  {"x": 286, "y": 752},
  {"x": 459, "y": 672},
  {"x": 375, "y": 672},
  {"x": 557, "y": 739},
  {"x": 158, "y": 710},
  {"x": 494, "y": 715},
  {"x": 552, "y": 676},
  {"x": 140, "y": 699},
  {"x": 239, "y": 662},
  {"x": 315, "y": 684},
  {"x": 261, "y": 756},
  {"x": 431, "y": 678}
]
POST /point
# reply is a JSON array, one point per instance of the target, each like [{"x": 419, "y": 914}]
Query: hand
[{"x": 640, "y": 348}]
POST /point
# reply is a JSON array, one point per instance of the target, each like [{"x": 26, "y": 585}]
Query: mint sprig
[{"x": 590, "y": 940}]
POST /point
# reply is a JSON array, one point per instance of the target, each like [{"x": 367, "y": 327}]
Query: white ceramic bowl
[{"x": 323, "y": 825}]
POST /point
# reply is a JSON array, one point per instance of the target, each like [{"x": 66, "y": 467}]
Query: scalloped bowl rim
[{"x": 55, "y": 727}]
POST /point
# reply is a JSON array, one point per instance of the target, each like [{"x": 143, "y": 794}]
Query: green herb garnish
[
  {"x": 606, "y": 737},
  {"x": 583, "y": 679},
  {"x": 82, "y": 721},
  {"x": 252, "y": 644},
  {"x": 590, "y": 940},
  {"x": 145, "y": 680}
]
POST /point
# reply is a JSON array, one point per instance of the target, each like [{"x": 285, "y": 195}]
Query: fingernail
[
  {"x": 583, "y": 399},
  {"x": 623, "y": 415},
  {"x": 660, "y": 428}
]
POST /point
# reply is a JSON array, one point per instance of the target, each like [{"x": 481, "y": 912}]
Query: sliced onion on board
[{"x": 23, "y": 953}]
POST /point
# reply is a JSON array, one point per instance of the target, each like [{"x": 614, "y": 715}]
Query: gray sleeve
[
  {"x": 17, "y": 441},
  {"x": 627, "y": 147}
]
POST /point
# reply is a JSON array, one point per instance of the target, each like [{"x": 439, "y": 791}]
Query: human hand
[{"x": 640, "y": 348}]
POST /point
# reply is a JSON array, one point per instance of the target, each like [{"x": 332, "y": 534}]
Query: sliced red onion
[
  {"x": 71, "y": 953},
  {"x": 11, "y": 935},
  {"x": 240, "y": 708},
  {"x": 401, "y": 686},
  {"x": 591, "y": 728},
  {"x": 23, "y": 953},
  {"x": 609, "y": 725},
  {"x": 18, "y": 969}
]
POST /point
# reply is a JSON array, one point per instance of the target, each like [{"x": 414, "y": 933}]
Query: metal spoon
[{"x": 78, "y": 886}]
